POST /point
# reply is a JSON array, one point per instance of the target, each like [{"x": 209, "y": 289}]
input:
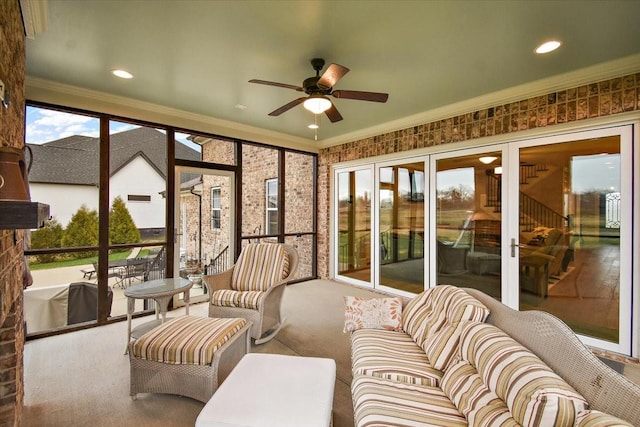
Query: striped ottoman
[{"x": 188, "y": 356}]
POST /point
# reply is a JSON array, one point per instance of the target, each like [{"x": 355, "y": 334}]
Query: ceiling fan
[{"x": 319, "y": 87}]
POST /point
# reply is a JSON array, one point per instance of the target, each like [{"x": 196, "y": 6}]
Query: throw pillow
[
  {"x": 480, "y": 406},
  {"x": 534, "y": 393},
  {"x": 372, "y": 313},
  {"x": 442, "y": 346}
]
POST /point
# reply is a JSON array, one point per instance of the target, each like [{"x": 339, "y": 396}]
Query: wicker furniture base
[{"x": 195, "y": 381}]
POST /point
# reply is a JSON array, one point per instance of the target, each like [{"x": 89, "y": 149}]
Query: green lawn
[{"x": 81, "y": 261}]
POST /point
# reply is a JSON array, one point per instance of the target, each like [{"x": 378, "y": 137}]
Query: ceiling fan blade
[
  {"x": 284, "y": 85},
  {"x": 287, "y": 107},
  {"x": 361, "y": 96},
  {"x": 331, "y": 75},
  {"x": 333, "y": 114}
]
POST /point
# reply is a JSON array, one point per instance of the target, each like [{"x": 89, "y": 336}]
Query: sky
[{"x": 43, "y": 125}]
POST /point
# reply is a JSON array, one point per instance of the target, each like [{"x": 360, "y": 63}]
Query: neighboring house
[{"x": 65, "y": 174}]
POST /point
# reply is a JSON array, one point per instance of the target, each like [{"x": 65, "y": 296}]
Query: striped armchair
[{"x": 253, "y": 288}]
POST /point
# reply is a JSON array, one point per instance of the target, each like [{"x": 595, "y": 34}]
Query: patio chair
[
  {"x": 253, "y": 288},
  {"x": 136, "y": 268}
]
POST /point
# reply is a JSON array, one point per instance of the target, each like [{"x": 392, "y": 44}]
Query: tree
[
  {"x": 48, "y": 237},
  {"x": 82, "y": 230},
  {"x": 122, "y": 229}
]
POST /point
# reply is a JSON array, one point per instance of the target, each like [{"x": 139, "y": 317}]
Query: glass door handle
[{"x": 515, "y": 245}]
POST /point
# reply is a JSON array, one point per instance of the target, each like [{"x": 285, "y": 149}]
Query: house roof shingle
[{"x": 75, "y": 159}]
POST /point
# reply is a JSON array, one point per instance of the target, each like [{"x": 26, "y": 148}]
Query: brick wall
[
  {"x": 604, "y": 98},
  {"x": 258, "y": 165},
  {"x": 12, "y": 71}
]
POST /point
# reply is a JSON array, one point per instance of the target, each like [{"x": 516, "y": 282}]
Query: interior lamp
[
  {"x": 317, "y": 104},
  {"x": 488, "y": 159}
]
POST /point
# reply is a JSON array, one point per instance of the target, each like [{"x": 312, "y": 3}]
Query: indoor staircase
[{"x": 533, "y": 213}]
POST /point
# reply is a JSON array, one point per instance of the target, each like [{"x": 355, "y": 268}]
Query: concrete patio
[{"x": 74, "y": 274}]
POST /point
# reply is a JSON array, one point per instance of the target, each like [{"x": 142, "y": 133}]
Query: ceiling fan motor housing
[{"x": 311, "y": 86}]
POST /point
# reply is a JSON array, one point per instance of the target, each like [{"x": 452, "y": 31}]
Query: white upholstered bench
[{"x": 273, "y": 390}]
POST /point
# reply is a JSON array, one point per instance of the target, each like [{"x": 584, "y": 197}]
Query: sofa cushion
[
  {"x": 436, "y": 307},
  {"x": 414, "y": 313},
  {"x": 534, "y": 394},
  {"x": 441, "y": 345},
  {"x": 380, "y": 402},
  {"x": 480, "y": 406},
  {"x": 426, "y": 312},
  {"x": 391, "y": 355},
  {"x": 186, "y": 340},
  {"x": 372, "y": 313},
  {"x": 241, "y": 299},
  {"x": 591, "y": 418}
]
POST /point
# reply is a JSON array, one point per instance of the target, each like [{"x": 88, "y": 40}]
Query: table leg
[
  {"x": 130, "y": 308},
  {"x": 186, "y": 301},
  {"x": 162, "y": 303}
]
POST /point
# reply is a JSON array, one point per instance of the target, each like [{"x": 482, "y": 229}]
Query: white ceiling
[{"x": 197, "y": 56}]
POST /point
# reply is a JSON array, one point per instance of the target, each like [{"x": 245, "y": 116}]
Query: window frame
[
  {"x": 214, "y": 209},
  {"x": 271, "y": 182}
]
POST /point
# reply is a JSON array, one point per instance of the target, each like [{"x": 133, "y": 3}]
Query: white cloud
[
  {"x": 117, "y": 127},
  {"x": 49, "y": 125}
]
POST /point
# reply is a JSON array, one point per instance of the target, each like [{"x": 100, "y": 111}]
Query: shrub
[
  {"x": 82, "y": 230},
  {"x": 48, "y": 237},
  {"x": 122, "y": 229}
]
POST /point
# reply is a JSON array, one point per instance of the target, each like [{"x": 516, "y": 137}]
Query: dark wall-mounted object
[{"x": 22, "y": 215}]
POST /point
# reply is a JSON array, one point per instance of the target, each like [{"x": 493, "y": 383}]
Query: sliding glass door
[
  {"x": 353, "y": 224},
  {"x": 400, "y": 222},
  {"x": 574, "y": 230},
  {"x": 544, "y": 223},
  {"x": 467, "y": 218}
]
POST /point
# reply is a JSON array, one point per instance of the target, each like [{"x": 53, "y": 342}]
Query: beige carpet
[{"x": 82, "y": 378}]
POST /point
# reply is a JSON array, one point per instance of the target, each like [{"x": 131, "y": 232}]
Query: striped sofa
[{"x": 449, "y": 364}]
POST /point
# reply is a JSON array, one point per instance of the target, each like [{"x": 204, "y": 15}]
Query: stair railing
[{"x": 220, "y": 263}]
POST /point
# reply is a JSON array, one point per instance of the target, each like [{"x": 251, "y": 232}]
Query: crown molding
[
  {"x": 56, "y": 93},
  {"x": 606, "y": 70},
  {"x": 35, "y": 17}
]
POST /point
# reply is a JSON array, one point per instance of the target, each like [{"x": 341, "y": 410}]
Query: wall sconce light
[
  {"x": 497, "y": 170},
  {"x": 487, "y": 159}
]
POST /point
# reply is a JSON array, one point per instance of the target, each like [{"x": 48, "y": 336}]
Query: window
[
  {"x": 138, "y": 198},
  {"x": 215, "y": 208},
  {"x": 272, "y": 206}
]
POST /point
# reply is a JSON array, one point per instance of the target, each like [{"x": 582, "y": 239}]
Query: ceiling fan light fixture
[
  {"x": 317, "y": 104},
  {"x": 487, "y": 159}
]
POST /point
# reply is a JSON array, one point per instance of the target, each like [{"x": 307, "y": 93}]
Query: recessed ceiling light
[
  {"x": 122, "y": 74},
  {"x": 547, "y": 47},
  {"x": 313, "y": 126},
  {"x": 241, "y": 106}
]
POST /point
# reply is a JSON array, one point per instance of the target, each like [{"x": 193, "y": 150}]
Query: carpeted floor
[{"x": 82, "y": 378}]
